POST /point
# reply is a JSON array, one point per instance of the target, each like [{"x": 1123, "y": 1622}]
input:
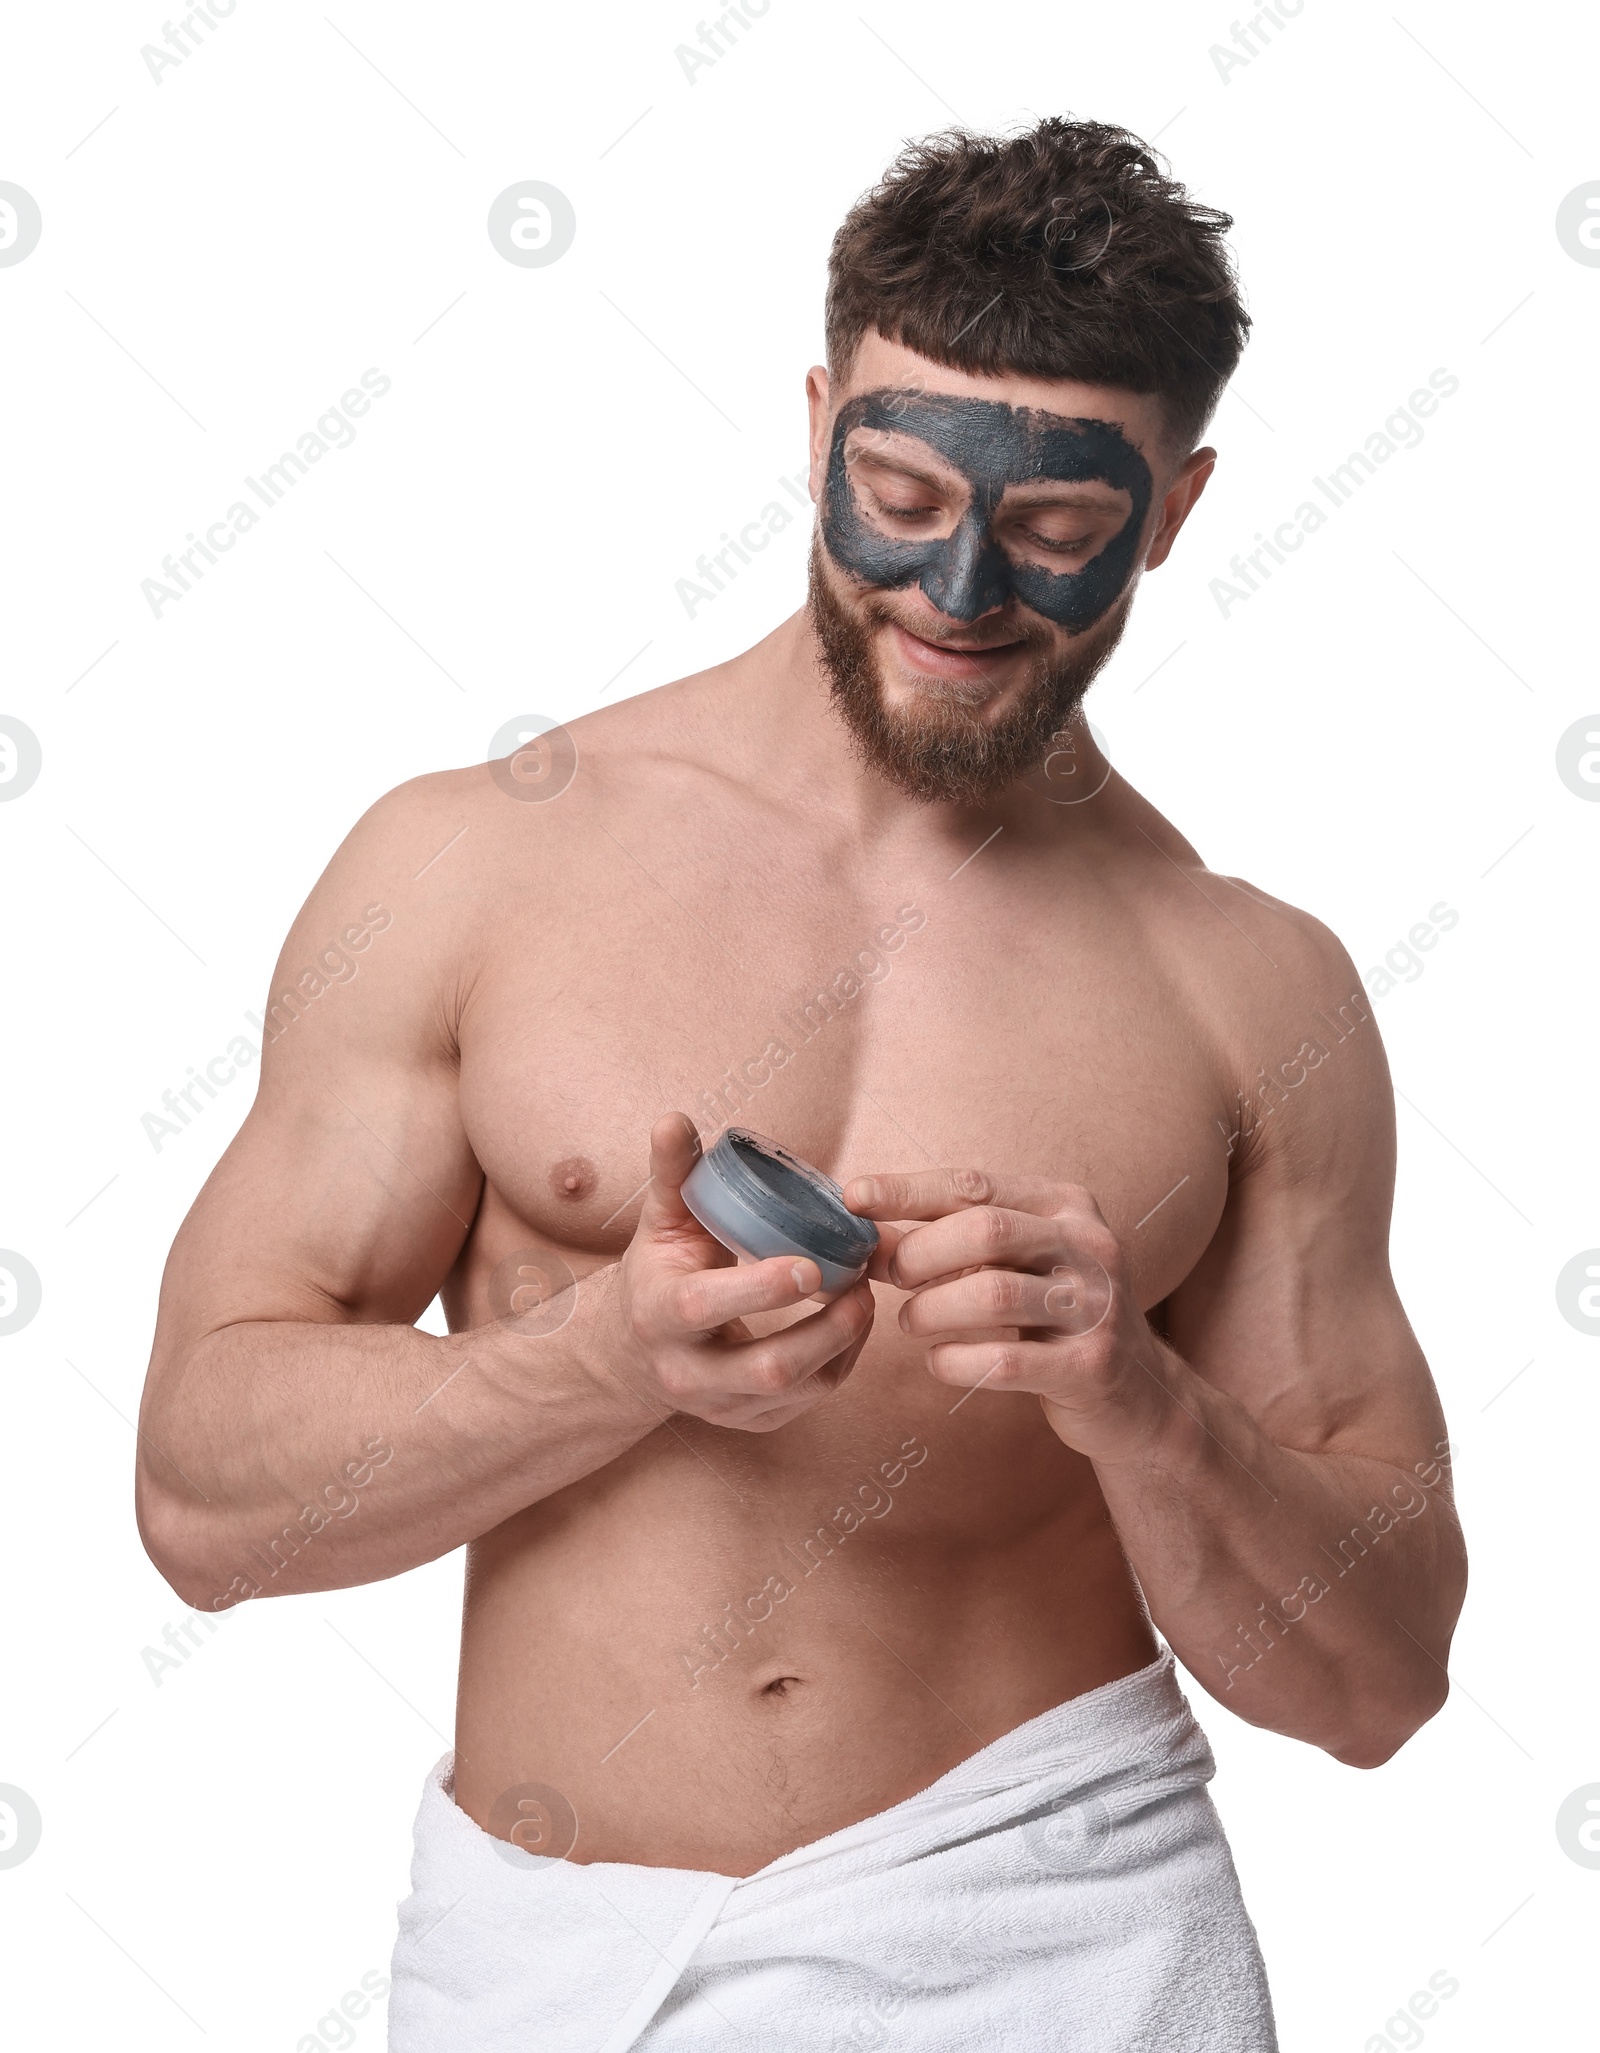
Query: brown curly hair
[{"x": 1064, "y": 252}]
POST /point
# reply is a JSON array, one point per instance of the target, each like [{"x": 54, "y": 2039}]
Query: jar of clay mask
[{"x": 759, "y": 1200}]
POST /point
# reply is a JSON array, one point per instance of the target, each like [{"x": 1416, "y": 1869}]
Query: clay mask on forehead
[{"x": 967, "y": 572}]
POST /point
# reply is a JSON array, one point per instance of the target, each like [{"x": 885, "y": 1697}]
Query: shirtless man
[{"x": 747, "y": 1571}]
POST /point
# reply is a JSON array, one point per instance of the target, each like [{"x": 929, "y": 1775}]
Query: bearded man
[{"x": 819, "y": 1666}]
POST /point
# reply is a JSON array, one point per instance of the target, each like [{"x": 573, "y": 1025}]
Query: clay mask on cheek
[{"x": 968, "y": 572}]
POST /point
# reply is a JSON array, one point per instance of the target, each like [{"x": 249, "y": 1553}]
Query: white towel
[{"x": 1068, "y": 1886}]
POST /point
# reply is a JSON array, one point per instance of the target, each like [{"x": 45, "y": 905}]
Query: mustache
[{"x": 1007, "y": 632}]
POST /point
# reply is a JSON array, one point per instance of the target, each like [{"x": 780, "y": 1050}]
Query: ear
[
  {"x": 1181, "y": 495},
  {"x": 818, "y": 399}
]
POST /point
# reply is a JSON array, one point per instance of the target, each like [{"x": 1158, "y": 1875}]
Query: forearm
[
  {"x": 1314, "y": 1594},
  {"x": 279, "y": 1456}
]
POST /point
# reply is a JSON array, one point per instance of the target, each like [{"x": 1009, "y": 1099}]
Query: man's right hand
[{"x": 680, "y": 1300}]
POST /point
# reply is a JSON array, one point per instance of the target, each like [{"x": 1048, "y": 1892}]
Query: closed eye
[
  {"x": 1053, "y": 545},
  {"x": 912, "y": 514}
]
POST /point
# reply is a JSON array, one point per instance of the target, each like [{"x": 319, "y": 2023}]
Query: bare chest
[{"x": 907, "y": 1027}]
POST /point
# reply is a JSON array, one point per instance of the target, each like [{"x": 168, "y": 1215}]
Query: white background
[{"x": 1372, "y": 732}]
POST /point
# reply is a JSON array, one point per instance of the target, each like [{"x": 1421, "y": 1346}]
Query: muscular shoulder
[
  {"x": 1311, "y": 1045},
  {"x": 454, "y": 860},
  {"x": 422, "y": 848},
  {"x": 399, "y": 827},
  {"x": 1276, "y": 1000},
  {"x": 462, "y": 833},
  {"x": 390, "y": 920}
]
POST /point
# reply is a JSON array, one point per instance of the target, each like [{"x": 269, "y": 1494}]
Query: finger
[
  {"x": 966, "y": 1240},
  {"x": 994, "y": 1364},
  {"x": 780, "y": 1362},
  {"x": 763, "y": 1415},
  {"x": 931, "y": 1193},
  {"x": 674, "y": 1150},
  {"x": 1073, "y": 1299},
  {"x": 832, "y": 1374},
  {"x": 685, "y": 1306},
  {"x": 767, "y": 1414},
  {"x": 889, "y": 1238}
]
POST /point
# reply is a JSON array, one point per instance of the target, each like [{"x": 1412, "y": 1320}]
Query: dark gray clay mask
[{"x": 968, "y": 572}]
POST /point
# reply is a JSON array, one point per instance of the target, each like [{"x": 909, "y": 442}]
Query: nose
[{"x": 970, "y": 576}]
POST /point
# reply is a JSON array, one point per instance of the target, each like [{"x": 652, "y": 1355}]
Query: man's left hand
[{"x": 1030, "y": 1286}]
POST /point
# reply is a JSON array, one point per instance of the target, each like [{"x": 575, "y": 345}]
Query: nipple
[{"x": 574, "y": 1179}]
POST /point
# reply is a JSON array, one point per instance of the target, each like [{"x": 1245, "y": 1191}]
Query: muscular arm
[
  {"x": 286, "y": 1364},
  {"x": 1290, "y": 1514},
  {"x": 297, "y": 1431},
  {"x": 1275, "y": 1464}
]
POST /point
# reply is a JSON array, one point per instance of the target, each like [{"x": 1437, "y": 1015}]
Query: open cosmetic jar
[{"x": 759, "y": 1200}]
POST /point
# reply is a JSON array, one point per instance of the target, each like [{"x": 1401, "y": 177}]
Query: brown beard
[{"x": 943, "y": 752}]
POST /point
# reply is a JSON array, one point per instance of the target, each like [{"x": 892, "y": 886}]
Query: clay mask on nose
[{"x": 968, "y": 572}]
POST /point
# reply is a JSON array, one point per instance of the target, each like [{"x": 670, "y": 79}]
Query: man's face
[{"x": 977, "y": 549}]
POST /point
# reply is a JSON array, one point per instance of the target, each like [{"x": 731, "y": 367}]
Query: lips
[
  {"x": 951, "y": 658},
  {"x": 962, "y": 648}
]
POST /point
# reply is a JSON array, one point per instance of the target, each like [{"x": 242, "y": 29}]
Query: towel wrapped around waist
[{"x": 1068, "y": 1886}]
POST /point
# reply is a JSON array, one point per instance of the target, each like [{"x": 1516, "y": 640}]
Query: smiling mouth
[
  {"x": 961, "y": 648},
  {"x": 955, "y": 655}
]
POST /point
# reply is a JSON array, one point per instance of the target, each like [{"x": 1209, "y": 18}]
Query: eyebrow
[
  {"x": 1088, "y": 494},
  {"x": 1062, "y": 492},
  {"x": 938, "y": 480}
]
